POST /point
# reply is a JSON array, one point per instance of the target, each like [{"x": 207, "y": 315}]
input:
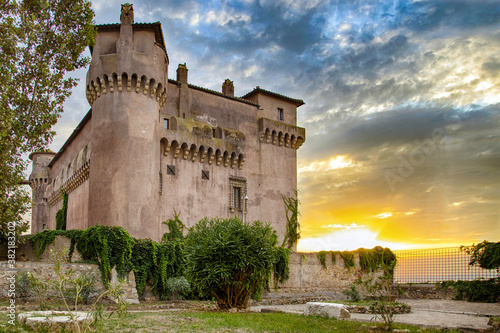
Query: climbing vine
[
  {"x": 292, "y": 234},
  {"x": 62, "y": 213},
  {"x": 322, "y": 258},
  {"x": 369, "y": 260},
  {"x": 176, "y": 228},
  {"x": 281, "y": 267},
  {"x": 153, "y": 263},
  {"x": 348, "y": 257}
]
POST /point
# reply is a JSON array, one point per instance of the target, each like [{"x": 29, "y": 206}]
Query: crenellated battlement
[
  {"x": 281, "y": 134},
  {"x": 203, "y": 153},
  {"x": 126, "y": 82},
  {"x": 77, "y": 179}
]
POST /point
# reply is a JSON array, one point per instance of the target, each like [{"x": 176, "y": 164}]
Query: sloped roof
[
  {"x": 259, "y": 90},
  {"x": 155, "y": 26}
]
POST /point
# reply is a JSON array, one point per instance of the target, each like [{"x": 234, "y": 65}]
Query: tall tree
[{"x": 40, "y": 42}]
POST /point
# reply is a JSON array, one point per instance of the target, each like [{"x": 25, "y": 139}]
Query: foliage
[
  {"x": 229, "y": 259},
  {"x": 322, "y": 258},
  {"x": 474, "y": 291},
  {"x": 41, "y": 240},
  {"x": 22, "y": 284},
  {"x": 67, "y": 283},
  {"x": 62, "y": 213},
  {"x": 41, "y": 42},
  {"x": 281, "y": 266},
  {"x": 334, "y": 257},
  {"x": 371, "y": 260},
  {"x": 177, "y": 286},
  {"x": 352, "y": 293},
  {"x": 109, "y": 246},
  {"x": 154, "y": 263},
  {"x": 292, "y": 234},
  {"x": 176, "y": 229},
  {"x": 485, "y": 255},
  {"x": 380, "y": 290},
  {"x": 112, "y": 246},
  {"x": 348, "y": 257}
]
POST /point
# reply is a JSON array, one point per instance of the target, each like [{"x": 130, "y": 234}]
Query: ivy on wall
[
  {"x": 62, "y": 213},
  {"x": 369, "y": 260},
  {"x": 153, "y": 263}
]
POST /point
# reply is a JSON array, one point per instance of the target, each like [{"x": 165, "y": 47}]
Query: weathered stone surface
[
  {"x": 330, "y": 310},
  {"x": 53, "y": 318}
]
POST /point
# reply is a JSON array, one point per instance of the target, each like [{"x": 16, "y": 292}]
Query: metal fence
[{"x": 435, "y": 265}]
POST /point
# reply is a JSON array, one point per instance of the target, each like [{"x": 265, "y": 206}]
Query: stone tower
[
  {"x": 126, "y": 88},
  {"x": 39, "y": 180}
]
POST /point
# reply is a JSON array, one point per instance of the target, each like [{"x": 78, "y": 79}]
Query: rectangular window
[
  {"x": 236, "y": 204},
  {"x": 205, "y": 174},
  {"x": 280, "y": 114},
  {"x": 171, "y": 170},
  {"x": 166, "y": 123},
  {"x": 238, "y": 189}
]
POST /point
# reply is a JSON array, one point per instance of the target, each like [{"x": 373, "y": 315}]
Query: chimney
[
  {"x": 228, "y": 88},
  {"x": 182, "y": 73},
  {"x": 127, "y": 14}
]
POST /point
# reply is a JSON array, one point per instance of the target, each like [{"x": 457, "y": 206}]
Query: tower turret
[
  {"x": 126, "y": 87},
  {"x": 39, "y": 179}
]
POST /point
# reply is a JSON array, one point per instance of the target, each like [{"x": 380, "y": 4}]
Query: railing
[{"x": 435, "y": 265}]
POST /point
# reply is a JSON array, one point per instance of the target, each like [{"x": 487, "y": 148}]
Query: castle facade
[{"x": 151, "y": 145}]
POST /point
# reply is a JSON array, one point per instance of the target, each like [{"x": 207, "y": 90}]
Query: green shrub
[
  {"x": 229, "y": 259},
  {"x": 352, "y": 293},
  {"x": 175, "y": 227},
  {"x": 485, "y": 255},
  {"x": 474, "y": 291},
  {"x": 177, "y": 286}
]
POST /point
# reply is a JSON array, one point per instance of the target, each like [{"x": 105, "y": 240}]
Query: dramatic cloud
[{"x": 402, "y": 106}]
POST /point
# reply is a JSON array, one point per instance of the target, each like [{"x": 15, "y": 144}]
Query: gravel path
[{"x": 425, "y": 313}]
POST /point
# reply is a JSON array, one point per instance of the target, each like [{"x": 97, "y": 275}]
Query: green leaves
[
  {"x": 231, "y": 260},
  {"x": 485, "y": 255},
  {"x": 41, "y": 42}
]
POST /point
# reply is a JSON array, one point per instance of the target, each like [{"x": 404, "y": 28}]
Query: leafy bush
[
  {"x": 352, "y": 293},
  {"x": 229, "y": 259},
  {"x": 474, "y": 291},
  {"x": 177, "y": 286},
  {"x": 485, "y": 255},
  {"x": 175, "y": 227}
]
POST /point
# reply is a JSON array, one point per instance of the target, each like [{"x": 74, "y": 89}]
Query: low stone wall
[
  {"x": 42, "y": 271},
  {"x": 424, "y": 291},
  {"x": 25, "y": 251},
  {"x": 308, "y": 275},
  {"x": 43, "y": 267}
]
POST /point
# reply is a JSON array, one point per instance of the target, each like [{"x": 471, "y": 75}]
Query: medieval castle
[{"x": 151, "y": 145}]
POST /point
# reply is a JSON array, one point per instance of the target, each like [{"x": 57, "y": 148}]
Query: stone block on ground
[{"x": 330, "y": 310}]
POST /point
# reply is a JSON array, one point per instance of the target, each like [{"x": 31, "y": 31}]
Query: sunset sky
[{"x": 402, "y": 110}]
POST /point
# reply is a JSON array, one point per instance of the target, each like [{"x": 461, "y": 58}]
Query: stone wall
[
  {"x": 43, "y": 270},
  {"x": 307, "y": 274},
  {"x": 43, "y": 267},
  {"x": 425, "y": 291}
]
